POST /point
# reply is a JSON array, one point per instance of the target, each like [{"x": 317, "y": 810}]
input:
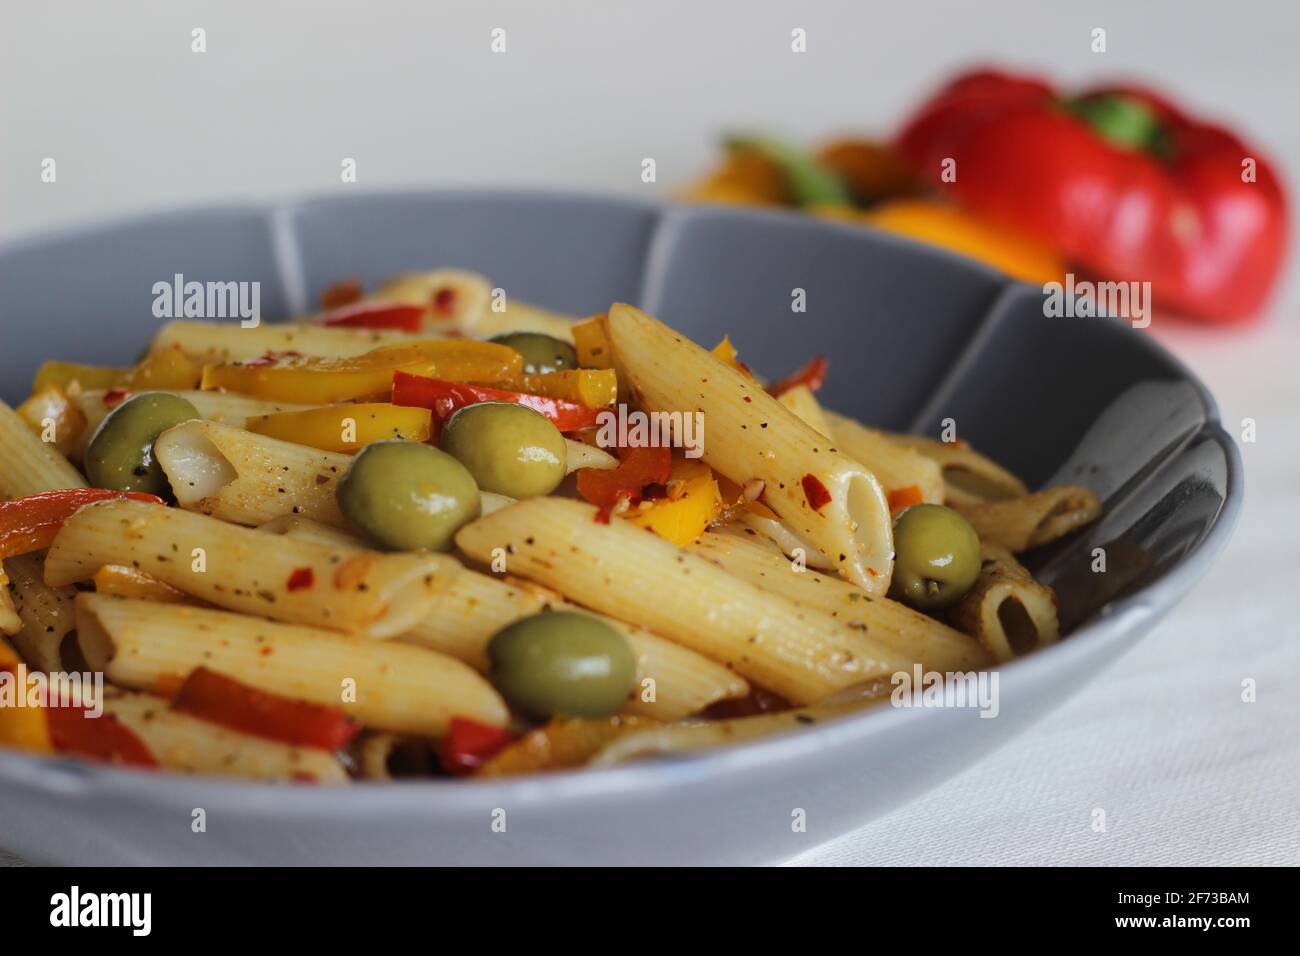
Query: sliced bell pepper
[
  {"x": 327, "y": 427},
  {"x": 223, "y": 700},
  {"x": 593, "y": 387},
  {"x": 746, "y": 177},
  {"x": 445, "y": 397},
  {"x": 121, "y": 581},
  {"x": 323, "y": 381},
  {"x": 812, "y": 374},
  {"x": 468, "y": 744},
  {"x": 30, "y": 524},
  {"x": 53, "y": 405},
  {"x": 74, "y": 731},
  {"x": 901, "y": 498},
  {"x": 163, "y": 370},
  {"x": 25, "y": 728},
  {"x": 1118, "y": 179},
  {"x": 637, "y": 468},
  {"x": 375, "y": 315},
  {"x": 87, "y": 377},
  {"x": 725, "y": 352},
  {"x": 690, "y": 502},
  {"x": 592, "y": 343}
]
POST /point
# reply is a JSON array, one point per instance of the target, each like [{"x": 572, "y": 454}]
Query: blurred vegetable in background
[{"x": 1115, "y": 182}]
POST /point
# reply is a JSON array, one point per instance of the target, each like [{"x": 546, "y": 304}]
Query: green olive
[
  {"x": 509, "y": 449},
  {"x": 542, "y": 353},
  {"x": 120, "y": 455},
  {"x": 937, "y": 557},
  {"x": 407, "y": 496},
  {"x": 561, "y": 662}
]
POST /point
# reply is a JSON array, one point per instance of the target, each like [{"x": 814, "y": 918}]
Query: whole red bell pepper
[
  {"x": 444, "y": 397},
  {"x": 1118, "y": 179}
]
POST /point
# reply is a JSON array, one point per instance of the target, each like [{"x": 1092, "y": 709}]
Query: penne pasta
[
  {"x": 249, "y": 479},
  {"x": 1028, "y": 521},
  {"x": 1006, "y": 610},
  {"x": 213, "y": 342},
  {"x": 800, "y": 654},
  {"x": 801, "y": 400},
  {"x": 44, "y": 612},
  {"x": 383, "y": 684},
  {"x": 10, "y": 622},
  {"x": 922, "y": 639},
  {"x": 897, "y": 465},
  {"x": 188, "y": 745},
  {"x": 28, "y": 465},
  {"x": 833, "y": 502},
  {"x": 360, "y": 592},
  {"x": 968, "y": 477}
]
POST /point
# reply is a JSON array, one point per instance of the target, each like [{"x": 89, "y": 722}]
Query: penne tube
[
  {"x": 304, "y": 529},
  {"x": 45, "y": 613},
  {"x": 619, "y": 570},
  {"x": 1019, "y": 524},
  {"x": 249, "y": 479},
  {"x": 360, "y": 592},
  {"x": 672, "y": 681},
  {"x": 384, "y": 756},
  {"x": 801, "y": 400},
  {"x": 931, "y": 643},
  {"x": 10, "y": 622},
  {"x": 897, "y": 465},
  {"x": 832, "y": 501},
  {"x": 784, "y": 539},
  {"x": 382, "y": 684},
  {"x": 214, "y": 342},
  {"x": 28, "y": 465},
  {"x": 581, "y": 455},
  {"x": 968, "y": 477},
  {"x": 1006, "y": 610},
  {"x": 524, "y": 317},
  {"x": 561, "y": 744},
  {"x": 189, "y": 745}
]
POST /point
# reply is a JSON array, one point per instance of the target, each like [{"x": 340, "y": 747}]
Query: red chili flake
[
  {"x": 301, "y": 578},
  {"x": 444, "y": 301},
  {"x": 114, "y": 396},
  {"x": 816, "y": 493},
  {"x": 270, "y": 358},
  {"x": 602, "y": 514}
]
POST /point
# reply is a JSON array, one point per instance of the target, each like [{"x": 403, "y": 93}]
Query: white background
[{"x": 1185, "y": 771}]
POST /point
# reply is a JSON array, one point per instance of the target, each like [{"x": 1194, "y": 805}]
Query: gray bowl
[{"x": 914, "y": 335}]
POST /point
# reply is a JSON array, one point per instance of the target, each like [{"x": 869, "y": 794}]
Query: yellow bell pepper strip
[
  {"x": 51, "y": 404},
  {"x": 324, "y": 381},
  {"x": 345, "y": 428},
  {"x": 690, "y": 502},
  {"x": 726, "y": 352},
  {"x": 746, "y": 177},
  {"x": 30, "y": 524},
  {"x": 87, "y": 377},
  {"x": 593, "y": 387},
  {"x": 26, "y": 727},
  {"x": 592, "y": 343},
  {"x": 168, "y": 369},
  {"x": 965, "y": 233},
  {"x": 120, "y": 581}
]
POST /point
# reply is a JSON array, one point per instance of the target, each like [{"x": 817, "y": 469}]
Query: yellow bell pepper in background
[
  {"x": 121, "y": 581},
  {"x": 88, "y": 377},
  {"x": 164, "y": 370},
  {"x": 746, "y": 177},
  {"x": 51, "y": 404},
  {"x": 693, "y": 502},
  {"x": 955, "y": 229},
  {"x": 324, "y": 381},
  {"x": 593, "y": 387},
  {"x": 25, "y": 728},
  {"x": 345, "y": 428},
  {"x": 591, "y": 342}
]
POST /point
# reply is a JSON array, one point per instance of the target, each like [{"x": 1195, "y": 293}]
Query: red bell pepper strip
[
  {"x": 223, "y": 700},
  {"x": 103, "y": 737},
  {"x": 469, "y": 744},
  {"x": 30, "y": 523},
  {"x": 445, "y": 397},
  {"x": 812, "y": 374},
  {"x": 1119, "y": 180},
  {"x": 638, "y": 469},
  {"x": 375, "y": 315}
]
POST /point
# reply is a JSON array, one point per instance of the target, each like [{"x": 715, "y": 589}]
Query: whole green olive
[
  {"x": 562, "y": 662},
  {"x": 542, "y": 353},
  {"x": 407, "y": 496},
  {"x": 937, "y": 557},
  {"x": 509, "y": 449},
  {"x": 120, "y": 455}
]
